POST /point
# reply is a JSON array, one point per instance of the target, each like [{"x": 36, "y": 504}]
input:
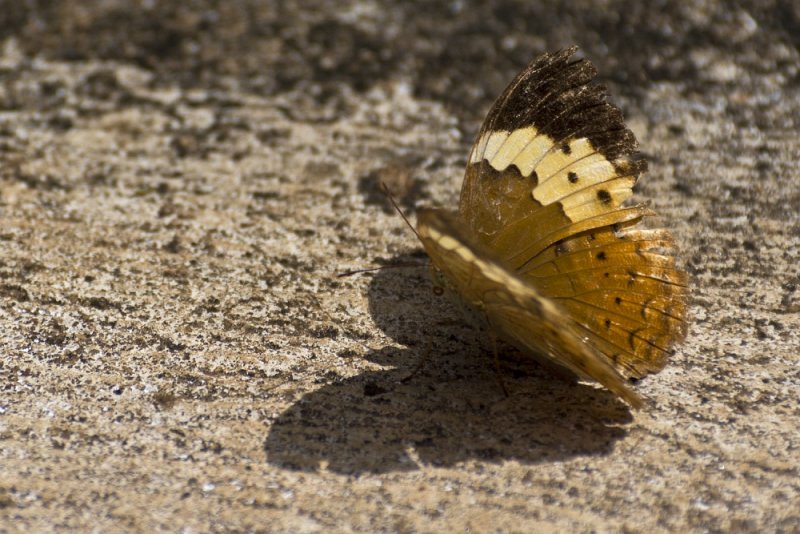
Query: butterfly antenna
[
  {"x": 388, "y": 193},
  {"x": 382, "y": 267}
]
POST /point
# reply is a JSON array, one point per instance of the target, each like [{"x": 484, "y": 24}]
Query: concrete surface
[{"x": 180, "y": 184}]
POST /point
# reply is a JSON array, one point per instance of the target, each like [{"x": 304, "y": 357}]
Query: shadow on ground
[{"x": 452, "y": 411}]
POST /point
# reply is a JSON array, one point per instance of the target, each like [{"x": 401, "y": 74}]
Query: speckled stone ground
[{"x": 180, "y": 185}]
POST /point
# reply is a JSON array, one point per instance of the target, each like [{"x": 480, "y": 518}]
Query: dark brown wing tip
[
  {"x": 558, "y": 95},
  {"x": 560, "y": 55}
]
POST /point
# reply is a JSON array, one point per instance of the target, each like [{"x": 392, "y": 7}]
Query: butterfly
[{"x": 542, "y": 245}]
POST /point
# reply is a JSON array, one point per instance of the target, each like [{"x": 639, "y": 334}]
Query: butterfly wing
[
  {"x": 513, "y": 308},
  {"x": 544, "y": 192},
  {"x": 622, "y": 290}
]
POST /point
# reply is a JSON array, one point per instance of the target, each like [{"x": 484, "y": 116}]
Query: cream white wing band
[
  {"x": 491, "y": 271},
  {"x": 565, "y": 174}
]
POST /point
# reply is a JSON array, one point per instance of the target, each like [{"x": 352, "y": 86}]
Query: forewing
[{"x": 551, "y": 154}]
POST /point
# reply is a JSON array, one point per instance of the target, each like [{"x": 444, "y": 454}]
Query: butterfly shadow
[{"x": 452, "y": 410}]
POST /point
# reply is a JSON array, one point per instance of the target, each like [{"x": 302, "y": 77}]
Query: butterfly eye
[{"x": 438, "y": 291}]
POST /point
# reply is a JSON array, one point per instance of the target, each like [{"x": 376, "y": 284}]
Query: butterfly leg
[
  {"x": 496, "y": 359},
  {"x": 421, "y": 362}
]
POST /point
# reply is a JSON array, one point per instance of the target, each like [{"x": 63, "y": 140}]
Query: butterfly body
[{"x": 542, "y": 245}]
